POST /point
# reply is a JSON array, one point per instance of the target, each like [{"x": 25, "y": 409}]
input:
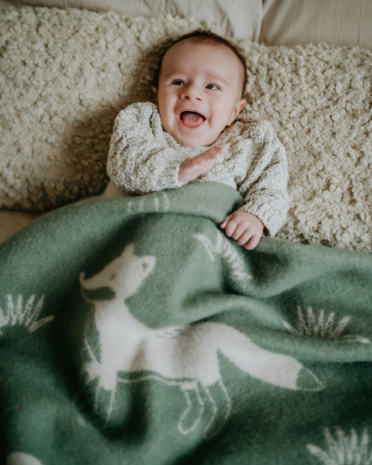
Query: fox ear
[{"x": 129, "y": 250}]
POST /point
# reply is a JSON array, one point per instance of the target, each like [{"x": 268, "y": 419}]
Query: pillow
[
  {"x": 339, "y": 22},
  {"x": 238, "y": 18},
  {"x": 68, "y": 73}
]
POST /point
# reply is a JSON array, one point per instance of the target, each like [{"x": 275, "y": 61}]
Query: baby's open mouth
[{"x": 192, "y": 118}]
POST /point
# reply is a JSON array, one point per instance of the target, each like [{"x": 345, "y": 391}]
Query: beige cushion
[
  {"x": 66, "y": 74},
  {"x": 12, "y": 222},
  {"x": 339, "y": 22},
  {"x": 238, "y": 18}
]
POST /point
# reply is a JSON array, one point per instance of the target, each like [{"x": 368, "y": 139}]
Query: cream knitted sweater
[{"x": 144, "y": 158}]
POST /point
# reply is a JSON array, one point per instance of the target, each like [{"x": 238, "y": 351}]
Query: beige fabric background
[
  {"x": 339, "y": 22},
  {"x": 239, "y": 18}
]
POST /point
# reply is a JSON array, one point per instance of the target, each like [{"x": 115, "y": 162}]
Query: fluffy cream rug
[{"x": 65, "y": 74}]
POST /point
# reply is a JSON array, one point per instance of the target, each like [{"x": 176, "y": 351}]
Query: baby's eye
[
  {"x": 209, "y": 86},
  {"x": 178, "y": 82}
]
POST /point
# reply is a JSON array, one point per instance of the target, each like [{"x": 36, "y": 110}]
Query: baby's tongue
[{"x": 191, "y": 119}]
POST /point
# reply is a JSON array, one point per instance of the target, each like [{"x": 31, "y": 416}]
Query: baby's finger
[
  {"x": 225, "y": 221},
  {"x": 230, "y": 227},
  {"x": 214, "y": 153},
  {"x": 253, "y": 242},
  {"x": 244, "y": 238},
  {"x": 240, "y": 229}
]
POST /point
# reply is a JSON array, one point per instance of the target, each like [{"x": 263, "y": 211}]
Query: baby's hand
[
  {"x": 244, "y": 228},
  {"x": 194, "y": 167}
]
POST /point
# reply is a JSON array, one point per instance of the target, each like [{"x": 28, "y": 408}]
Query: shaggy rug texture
[{"x": 65, "y": 75}]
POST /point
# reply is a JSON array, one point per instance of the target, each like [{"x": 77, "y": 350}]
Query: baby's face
[{"x": 199, "y": 91}]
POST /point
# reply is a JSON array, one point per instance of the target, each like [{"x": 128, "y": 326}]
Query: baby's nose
[{"x": 191, "y": 93}]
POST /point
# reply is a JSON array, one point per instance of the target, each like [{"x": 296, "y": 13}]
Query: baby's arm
[
  {"x": 244, "y": 227},
  {"x": 265, "y": 193},
  {"x": 139, "y": 160}
]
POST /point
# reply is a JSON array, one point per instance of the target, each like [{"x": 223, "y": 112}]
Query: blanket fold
[{"x": 135, "y": 331}]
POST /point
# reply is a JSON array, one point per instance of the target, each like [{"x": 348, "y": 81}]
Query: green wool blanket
[{"x": 134, "y": 331}]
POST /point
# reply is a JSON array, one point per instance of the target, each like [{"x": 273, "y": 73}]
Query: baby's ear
[
  {"x": 155, "y": 92},
  {"x": 242, "y": 104},
  {"x": 237, "y": 109}
]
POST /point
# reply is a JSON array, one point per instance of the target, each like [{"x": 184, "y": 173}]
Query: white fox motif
[{"x": 186, "y": 356}]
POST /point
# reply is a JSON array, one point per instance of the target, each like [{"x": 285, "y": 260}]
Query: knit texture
[
  {"x": 66, "y": 74},
  {"x": 144, "y": 158}
]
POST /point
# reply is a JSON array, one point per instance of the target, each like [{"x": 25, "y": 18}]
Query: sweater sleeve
[
  {"x": 265, "y": 188},
  {"x": 139, "y": 159}
]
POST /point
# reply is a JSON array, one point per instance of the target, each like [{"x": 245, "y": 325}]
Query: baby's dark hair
[{"x": 208, "y": 37}]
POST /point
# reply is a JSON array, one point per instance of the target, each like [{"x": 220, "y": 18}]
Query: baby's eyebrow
[
  {"x": 180, "y": 73},
  {"x": 218, "y": 77},
  {"x": 173, "y": 73}
]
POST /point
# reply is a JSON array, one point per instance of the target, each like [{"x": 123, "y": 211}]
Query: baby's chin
[{"x": 194, "y": 140}]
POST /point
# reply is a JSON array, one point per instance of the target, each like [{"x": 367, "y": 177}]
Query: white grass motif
[
  {"x": 344, "y": 449},
  {"x": 224, "y": 247},
  {"x": 22, "y": 458},
  {"x": 26, "y": 315},
  {"x": 310, "y": 325}
]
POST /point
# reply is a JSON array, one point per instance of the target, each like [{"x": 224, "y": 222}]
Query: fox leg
[
  {"x": 191, "y": 390},
  {"x": 219, "y": 416}
]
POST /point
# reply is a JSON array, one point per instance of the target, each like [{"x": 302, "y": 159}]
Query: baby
[{"x": 195, "y": 134}]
